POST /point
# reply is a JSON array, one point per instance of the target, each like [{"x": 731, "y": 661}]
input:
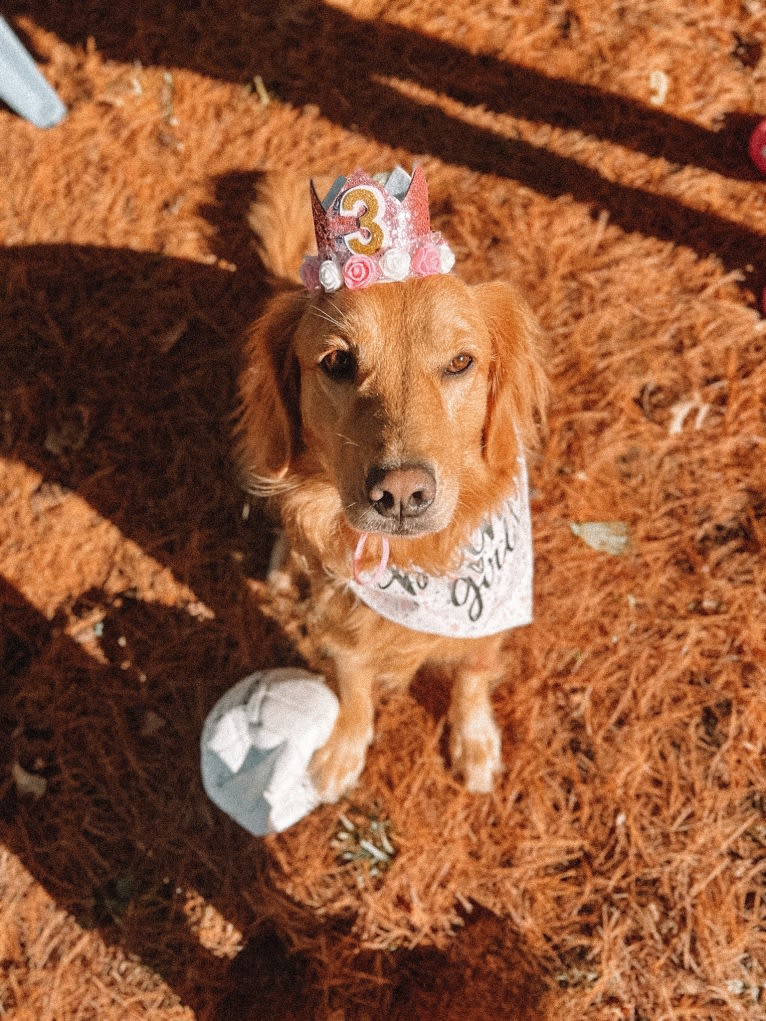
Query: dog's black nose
[{"x": 404, "y": 492}]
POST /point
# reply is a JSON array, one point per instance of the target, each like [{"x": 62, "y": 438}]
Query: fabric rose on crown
[
  {"x": 359, "y": 271},
  {"x": 374, "y": 230}
]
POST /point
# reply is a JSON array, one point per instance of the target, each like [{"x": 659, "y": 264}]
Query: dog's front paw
[
  {"x": 475, "y": 751},
  {"x": 337, "y": 765}
]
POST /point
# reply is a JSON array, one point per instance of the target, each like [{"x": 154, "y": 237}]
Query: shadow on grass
[
  {"x": 123, "y": 836},
  {"x": 314, "y": 53},
  {"x": 349, "y": 69}
]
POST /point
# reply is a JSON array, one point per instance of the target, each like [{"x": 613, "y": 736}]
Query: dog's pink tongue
[{"x": 377, "y": 574}]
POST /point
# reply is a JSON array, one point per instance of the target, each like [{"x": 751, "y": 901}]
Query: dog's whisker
[
  {"x": 338, "y": 309},
  {"x": 262, "y": 487},
  {"x": 348, "y": 440},
  {"x": 321, "y": 313}
]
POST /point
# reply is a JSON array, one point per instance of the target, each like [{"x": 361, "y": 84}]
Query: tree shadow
[
  {"x": 117, "y": 385},
  {"x": 124, "y": 834},
  {"x": 123, "y": 831},
  {"x": 118, "y": 372},
  {"x": 309, "y": 54}
]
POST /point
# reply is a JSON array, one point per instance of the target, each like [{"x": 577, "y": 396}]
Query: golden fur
[{"x": 309, "y": 441}]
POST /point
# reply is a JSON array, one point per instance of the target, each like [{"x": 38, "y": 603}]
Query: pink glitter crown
[{"x": 374, "y": 230}]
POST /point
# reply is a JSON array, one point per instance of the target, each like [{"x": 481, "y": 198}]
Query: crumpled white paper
[{"x": 257, "y": 743}]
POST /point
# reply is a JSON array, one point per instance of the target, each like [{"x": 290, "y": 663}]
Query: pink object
[
  {"x": 757, "y": 147},
  {"x": 359, "y": 271},
  {"x": 377, "y": 574},
  {"x": 382, "y": 220},
  {"x": 426, "y": 261},
  {"x": 363, "y": 217},
  {"x": 310, "y": 274}
]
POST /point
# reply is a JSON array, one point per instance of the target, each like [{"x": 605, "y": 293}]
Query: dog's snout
[{"x": 403, "y": 492}]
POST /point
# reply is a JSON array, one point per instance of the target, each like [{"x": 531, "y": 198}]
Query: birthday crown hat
[{"x": 374, "y": 230}]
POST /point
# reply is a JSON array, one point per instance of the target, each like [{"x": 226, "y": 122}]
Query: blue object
[{"x": 22, "y": 86}]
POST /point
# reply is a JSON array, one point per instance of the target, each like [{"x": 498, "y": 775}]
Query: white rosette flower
[
  {"x": 330, "y": 276},
  {"x": 446, "y": 258},
  {"x": 395, "y": 264}
]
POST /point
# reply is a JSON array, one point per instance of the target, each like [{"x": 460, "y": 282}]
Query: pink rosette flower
[
  {"x": 359, "y": 271},
  {"x": 310, "y": 273},
  {"x": 426, "y": 260}
]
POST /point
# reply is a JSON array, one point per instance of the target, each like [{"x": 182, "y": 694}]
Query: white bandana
[{"x": 489, "y": 592}]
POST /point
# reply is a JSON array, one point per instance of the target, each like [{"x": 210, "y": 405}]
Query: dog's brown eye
[
  {"x": 459, "y": 364},
  {"x": 339, "y": 365}
]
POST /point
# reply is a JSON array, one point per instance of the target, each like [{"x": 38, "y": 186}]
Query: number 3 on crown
[{"x": 366, "y": 205}]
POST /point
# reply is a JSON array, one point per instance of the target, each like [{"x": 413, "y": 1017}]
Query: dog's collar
[{"x": 489, "y": 592}]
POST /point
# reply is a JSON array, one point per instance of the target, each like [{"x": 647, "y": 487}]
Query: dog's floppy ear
[
  {"x": 517, "y": 383},
  {"x": 269, "y": 425}
]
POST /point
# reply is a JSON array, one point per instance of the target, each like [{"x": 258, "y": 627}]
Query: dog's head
[{"x": 407, "y": 399}]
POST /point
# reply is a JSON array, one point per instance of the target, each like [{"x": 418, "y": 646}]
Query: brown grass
[{"x": 618, "y": 870}]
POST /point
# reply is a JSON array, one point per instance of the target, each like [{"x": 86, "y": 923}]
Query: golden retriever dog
[{"x": 387, "y": 420}]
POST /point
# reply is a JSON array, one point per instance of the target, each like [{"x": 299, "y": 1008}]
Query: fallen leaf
[
  {"x": 28, "y": 784},
  {"x": 611, "y": 537}
]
